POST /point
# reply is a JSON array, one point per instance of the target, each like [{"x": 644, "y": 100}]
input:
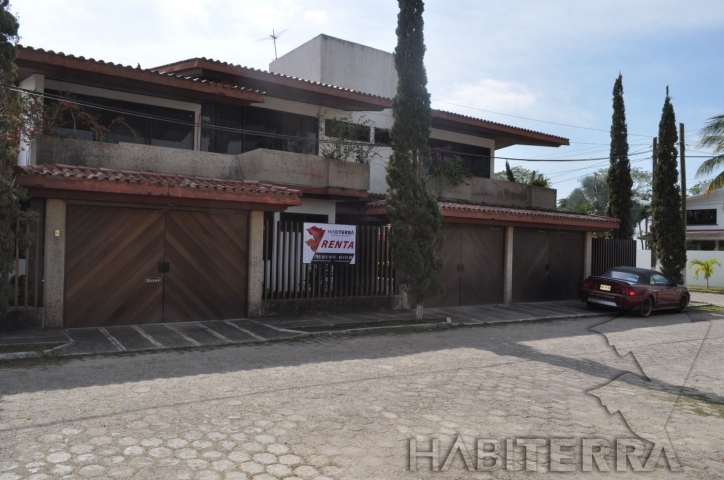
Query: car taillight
[
  {"x": 628, "y": 291},
  {"x": 586, "y": 284}
]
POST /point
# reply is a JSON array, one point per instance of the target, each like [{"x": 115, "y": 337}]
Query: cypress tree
[
  {"x": 414, "y": 214},
  {"x": 620, "y": 195},
  {"x": 11, "y": 197},
  {"x": 667, "y": 227}
]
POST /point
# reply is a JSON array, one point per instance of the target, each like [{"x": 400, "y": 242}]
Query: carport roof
[
  {"x": 67, "y": 181},
  {"x": 507, "y": 216}
]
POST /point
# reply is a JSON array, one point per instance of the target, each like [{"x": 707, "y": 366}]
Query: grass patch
[
  {"x": 705, "y": 290},
  {"x": 706, "y": 308}
]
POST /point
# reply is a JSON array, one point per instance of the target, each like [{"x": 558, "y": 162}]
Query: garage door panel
[
  {"x": 450, "y": 275},
  {"x": 483, "y": 253},
  {"x": 207, "y": 256},
  {"x": 530, "y": 260},
  {"x": 109, "y": 254},
  {"x": 566, "y": 265}
]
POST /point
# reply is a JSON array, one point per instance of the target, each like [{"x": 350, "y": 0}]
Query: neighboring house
[
  {"x": 705, "y": 221},
  {"x": 191, "y": 208}
]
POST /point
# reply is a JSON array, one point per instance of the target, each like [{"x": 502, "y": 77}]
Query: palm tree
[
  {"x": 595, "y": 190},
  {"x": 704, "y": 266},
  {"x": 643, "y": 215},
  {"x": 712, "y": 136}
]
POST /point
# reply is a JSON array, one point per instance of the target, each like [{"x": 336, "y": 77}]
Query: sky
[{"x": 554, "y": 61}]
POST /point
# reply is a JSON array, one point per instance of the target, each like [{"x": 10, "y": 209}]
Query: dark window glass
[
  {"x": 345, "y": 130},
  {"x": 278, "y": 130},
  {"x": 701, "y": 217},
  {"x": 219, "y": 140},
  {"x": 706, "y": 245},
  {"x": 657, "y": 279},
  {"x": 475, "y": 159},
  {"x": 382, "y": 136},
  {"x": 169, "y": 127}
]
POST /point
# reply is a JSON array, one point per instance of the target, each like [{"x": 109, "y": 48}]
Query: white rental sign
[{"x": 327, "y": 243}]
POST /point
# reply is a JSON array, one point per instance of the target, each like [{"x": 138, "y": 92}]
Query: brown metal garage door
[
  {"x": 547, "y": 265},
  {"x": 473, "y": 266},
  {"x": 116, "y": 258}
]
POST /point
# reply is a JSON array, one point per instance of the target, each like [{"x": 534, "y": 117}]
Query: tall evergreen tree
[
  {"x": 414, "y": 213},
  {"x": 620, "y": 196},
  {"x": 667, "y": 227},
  {"x": 10, "y": 195}
]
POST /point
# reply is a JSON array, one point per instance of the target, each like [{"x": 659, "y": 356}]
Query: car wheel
[
  {"x": 646, "y": 307},
  {"x": 683, "y": 303}
]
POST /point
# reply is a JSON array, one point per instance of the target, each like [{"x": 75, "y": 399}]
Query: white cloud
[
  {"x": 317, "y": 16},
  {"x": 489, "y": 94}
]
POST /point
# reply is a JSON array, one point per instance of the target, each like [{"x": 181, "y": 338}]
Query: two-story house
[
  {"x": 703, "y": 230},
  {"x": 178, "y": 192}
]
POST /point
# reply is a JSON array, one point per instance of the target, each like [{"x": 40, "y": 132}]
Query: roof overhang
[
  {"x": 85, "y": 183},
  {"x": 91, "y": 72},
  {"x": 513, "y": 217},
  {"x": 504, "y": 135},
  {"x": 279, "y": 86}
]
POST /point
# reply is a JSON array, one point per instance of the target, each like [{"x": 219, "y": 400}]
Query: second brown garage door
[
  {"x": 547, "y": 265},
  {"x": 473, "y": 259},
  {"x": 129, "y": 266}
]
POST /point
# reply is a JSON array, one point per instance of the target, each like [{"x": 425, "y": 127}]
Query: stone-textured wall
[
  {"x": 496, "y": 192},
  {"x": 272, "y": 166}
]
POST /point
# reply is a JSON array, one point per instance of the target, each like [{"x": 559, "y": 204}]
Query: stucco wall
[
  {"x": 339, "y": 62},
  {"x": 497, "y": 192}
]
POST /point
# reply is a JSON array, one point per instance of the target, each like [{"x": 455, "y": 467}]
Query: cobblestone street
[{"x": 341, "y": 407}]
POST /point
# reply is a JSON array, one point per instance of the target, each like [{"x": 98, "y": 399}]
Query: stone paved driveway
[{"x": 340, "y": 407}]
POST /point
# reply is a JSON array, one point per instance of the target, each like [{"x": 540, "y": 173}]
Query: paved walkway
[
  {"x": 329, "y": 407},
  {"x": 712, "y": 298},
  {"x": 118, "y": 339}
]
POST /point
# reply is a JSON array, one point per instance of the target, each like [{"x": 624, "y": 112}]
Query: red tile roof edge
[
  {"x": 151, "y": 179},
  {"x": 444, "y": 205},
  {"x": 141, "y": 70}
]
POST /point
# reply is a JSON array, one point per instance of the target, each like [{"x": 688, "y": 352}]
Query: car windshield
[{"x": 619, "y": 275}]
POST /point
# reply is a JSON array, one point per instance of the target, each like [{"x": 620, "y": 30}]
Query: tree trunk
[{"x": 418, "y": 311}]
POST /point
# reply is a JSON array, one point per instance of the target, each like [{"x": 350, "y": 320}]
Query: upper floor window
[
  {"x": 222, "y": 126},
  {"x": 701, "y": 217},
  {"x": 347, "y": 130},
  {"x": 383, "y": 137},
  {"x": 114, "y": 121},
  {"x": 473, "y": 158}
]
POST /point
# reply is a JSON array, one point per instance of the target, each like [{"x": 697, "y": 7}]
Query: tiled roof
[
  {"x": 492, "y": 212},
  {"x": 155, "y": 179},
  {"x": 522, "y": 130},
  {"x": 138, "y": 70},
  {"x": 242, "y": 68},
  {"x": 522, "y": 212}
]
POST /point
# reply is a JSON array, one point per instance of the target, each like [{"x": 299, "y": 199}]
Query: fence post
[
  {"x": 54, "y": 264},
  {"x": 588, "y": 255}
]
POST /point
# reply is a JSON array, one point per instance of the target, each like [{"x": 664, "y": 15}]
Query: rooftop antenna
[{"x": 273, "y": 37}]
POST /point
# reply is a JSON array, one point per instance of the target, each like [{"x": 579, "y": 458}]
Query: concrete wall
[
  {"x": 342, "y": 63},
  {"x": 266, "y": 165},
  {"x": 54, "y": 263},
  {"x": 305, "y": 61},
  {"x": 497, "y": 192}
]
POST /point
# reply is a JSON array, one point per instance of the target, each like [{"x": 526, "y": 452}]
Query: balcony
[
  {"x": 309, "y": 173},
  {"x": 496, "y": 192}
]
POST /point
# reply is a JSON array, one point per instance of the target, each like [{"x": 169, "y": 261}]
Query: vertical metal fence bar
[
  {"x": 17, "y": 261},
  {"x": 36, "y": 278},
  {"x": 27, "y": 266}
]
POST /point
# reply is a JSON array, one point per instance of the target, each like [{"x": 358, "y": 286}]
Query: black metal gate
[{"x": 609, "y": 252}]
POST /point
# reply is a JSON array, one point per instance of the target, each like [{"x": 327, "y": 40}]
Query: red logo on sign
[{"x": 317, "y": 234}]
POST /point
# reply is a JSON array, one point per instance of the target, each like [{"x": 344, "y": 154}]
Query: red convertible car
[{"x": 638, "y": 289}]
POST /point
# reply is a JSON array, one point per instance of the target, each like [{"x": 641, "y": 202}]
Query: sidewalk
[{"x": 136, "y": 338}]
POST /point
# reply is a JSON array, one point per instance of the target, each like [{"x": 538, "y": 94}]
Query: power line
[{"x": 537, "y": 120}]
